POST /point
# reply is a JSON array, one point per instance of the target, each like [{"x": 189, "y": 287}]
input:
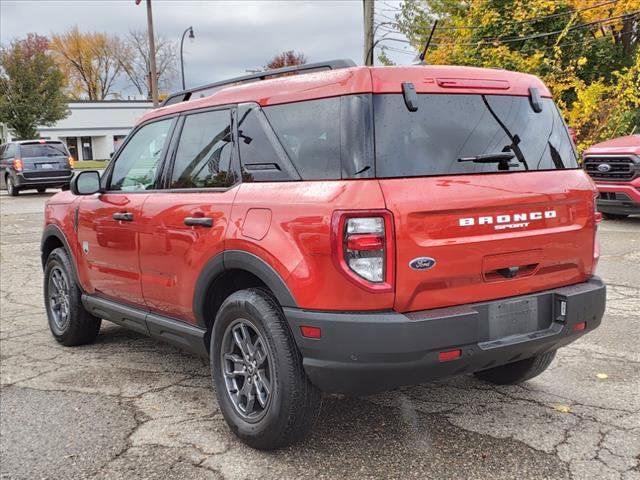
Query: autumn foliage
[
  {"x": 286, "y": 59},
  {"x": 586, "y": 51}
]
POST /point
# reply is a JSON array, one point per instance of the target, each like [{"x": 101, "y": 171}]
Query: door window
[
  {"x": 205, "y": 151},
  {"x": 139, "y": 160}
]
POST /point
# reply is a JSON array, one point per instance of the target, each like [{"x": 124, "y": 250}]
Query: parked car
[
  {"x": 35, "y": 164},
  {"x": 615, "y": 167},
  {"x": 335, "y": 228}
]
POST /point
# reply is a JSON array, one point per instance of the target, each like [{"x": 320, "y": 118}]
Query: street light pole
[
  {"x": 191, "y": 35},
  {"x": 152, "y": 56}
]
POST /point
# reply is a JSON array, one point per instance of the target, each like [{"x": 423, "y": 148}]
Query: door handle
[
  {"x": 123, "y": 216},
  {"x": 199, "y": 222}
]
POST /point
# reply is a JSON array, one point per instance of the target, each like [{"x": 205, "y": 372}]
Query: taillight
[
  {"x": 17, "y": 165},
  {"x": 72, "y": 162},
  {"x": 363, "y": 248}
]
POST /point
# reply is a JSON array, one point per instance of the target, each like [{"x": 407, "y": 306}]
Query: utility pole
[
  {"x": 152, "y": 56},
  {"x": 368, "y": 8}
]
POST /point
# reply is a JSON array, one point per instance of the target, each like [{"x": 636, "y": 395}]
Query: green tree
[{"x": 30, "y": 87}]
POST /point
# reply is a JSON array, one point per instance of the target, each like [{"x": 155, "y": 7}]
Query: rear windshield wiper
[
  {"x": 501, "y": 158},
  {"x": 515, "y": 139}
]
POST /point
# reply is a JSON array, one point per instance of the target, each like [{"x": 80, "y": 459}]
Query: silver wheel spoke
[
  {"x": 247, "y": 369},
  {"x": 263, "y": 389}
]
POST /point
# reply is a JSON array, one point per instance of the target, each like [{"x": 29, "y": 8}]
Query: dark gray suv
[{"x": 35, "y": 164}]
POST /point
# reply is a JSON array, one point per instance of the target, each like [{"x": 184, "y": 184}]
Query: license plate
[
  {"x": 513, "y": 317},
  {"x": 46, "y": 165}
]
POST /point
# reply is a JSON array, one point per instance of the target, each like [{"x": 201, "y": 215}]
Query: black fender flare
[
  {"x": 53, "y": 230},
  {"x": 238, "y": 260}
]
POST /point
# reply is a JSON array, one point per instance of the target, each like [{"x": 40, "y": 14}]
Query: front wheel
[
  {"x": 517, "y": 372},
  {"x": 69, "y": 322},
  {"x": 263, "y": 391}
]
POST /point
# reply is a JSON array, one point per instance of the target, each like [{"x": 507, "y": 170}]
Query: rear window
[
  {"x": 30, "y": 150},
  {"x": 449, "y": 134}
]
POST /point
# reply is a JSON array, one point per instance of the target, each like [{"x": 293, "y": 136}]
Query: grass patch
[{"x": 91, "y": 164}]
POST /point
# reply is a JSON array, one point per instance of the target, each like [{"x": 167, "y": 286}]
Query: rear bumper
[
  {"x": 619, "y": 198},
  {"x": 53, "y": 179},
  {"x": 361, "y": 353}
]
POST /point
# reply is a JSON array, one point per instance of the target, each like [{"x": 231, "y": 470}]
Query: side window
[
  {"x": 205, "y": 152},
  {"x": 310, "y": 132},
  {"x": 11, "y": 151},
  {"x": 139, "y": 160},
  {"x": 262, "y": 156}
]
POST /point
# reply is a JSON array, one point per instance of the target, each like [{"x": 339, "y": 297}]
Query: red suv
[
  {"x": 615, "y": 167},
  {"x": 335, "y": 228}
]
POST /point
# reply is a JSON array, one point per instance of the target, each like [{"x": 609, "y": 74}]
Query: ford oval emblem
[
  {"x": 604, "y": 167},
  {"x": 422, "y": 263}
]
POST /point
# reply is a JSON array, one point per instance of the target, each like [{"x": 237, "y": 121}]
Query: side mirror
[{"x": 86, "y": 182}]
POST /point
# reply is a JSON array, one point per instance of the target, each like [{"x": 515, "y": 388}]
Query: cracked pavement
[{"x": 130, "y": 407}]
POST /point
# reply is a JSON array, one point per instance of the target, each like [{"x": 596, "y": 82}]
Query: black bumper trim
[
  {"x": 618, "y": 207},
  {"x": 361, "y": 353}
]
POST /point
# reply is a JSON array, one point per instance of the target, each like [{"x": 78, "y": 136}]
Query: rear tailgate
[{"x": 491, "y": 236}]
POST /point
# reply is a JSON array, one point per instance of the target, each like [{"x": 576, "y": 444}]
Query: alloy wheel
[
  {"x": 248, "y": 369},
  {"x": 59, "y": 297}
]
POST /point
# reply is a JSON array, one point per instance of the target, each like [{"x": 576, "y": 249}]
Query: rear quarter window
[{"x": 310, "y": 133}]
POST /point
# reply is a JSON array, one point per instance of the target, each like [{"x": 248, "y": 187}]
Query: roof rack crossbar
[{"x": 185, "y": 95}]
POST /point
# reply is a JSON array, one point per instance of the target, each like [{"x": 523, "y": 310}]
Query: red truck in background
[{"x": 615, "y": 167}]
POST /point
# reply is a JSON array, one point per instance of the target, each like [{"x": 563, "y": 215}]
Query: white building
[{"x": 95, "y": 129}]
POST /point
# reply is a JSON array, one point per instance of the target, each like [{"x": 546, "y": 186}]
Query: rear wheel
[
  {"x": 262, "y": 389},
  {"x": 69, "y": 322},
  {"x": 517, "y": 372},
  {"x": 42, "y": 189},
  {"x": 614, "y": 216},
  {"x": 11, "y": 188}
]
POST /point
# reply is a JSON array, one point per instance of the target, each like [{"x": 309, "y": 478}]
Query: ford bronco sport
[
  {"x": 615, "y": 167},
  {"x": 335, "y": 228}
]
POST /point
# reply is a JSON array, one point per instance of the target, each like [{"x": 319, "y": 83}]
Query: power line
[
  {"x": 535, "y": 19},
  {"x": 549, "y": 47},
  {"x": 541, "y": 35}
]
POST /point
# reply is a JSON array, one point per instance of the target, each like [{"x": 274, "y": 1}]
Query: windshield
[
  {"x": 458, "y": 134},
  {"x": 29, "y": 150}
]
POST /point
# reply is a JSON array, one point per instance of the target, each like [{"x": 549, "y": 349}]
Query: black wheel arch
[
  {"x": 237, "y": 260},
  {"x": 53, "y": 237}
]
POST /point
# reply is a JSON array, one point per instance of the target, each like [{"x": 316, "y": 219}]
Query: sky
[{"x": 231, "y": 36}]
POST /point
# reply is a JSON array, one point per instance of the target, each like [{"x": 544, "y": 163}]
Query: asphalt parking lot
[{"x": 129, "y": 407}]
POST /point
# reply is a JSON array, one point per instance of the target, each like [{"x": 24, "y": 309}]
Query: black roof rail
[{"x": 185, "y": 95}]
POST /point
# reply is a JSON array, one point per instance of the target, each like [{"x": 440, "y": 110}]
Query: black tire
[
  {"x": 517, "y": 372},
  {"x": 294, "y": 403},
  {"x": 42, "y": 189},
  {"x": 614, "y": 216},
  {"x": 78, "y": 327},
  {"x": 11, "y": 188}
]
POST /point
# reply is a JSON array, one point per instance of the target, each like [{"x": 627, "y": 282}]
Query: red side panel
[{"x": 297, "y": 241}]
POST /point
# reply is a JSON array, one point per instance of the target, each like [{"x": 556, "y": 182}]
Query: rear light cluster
[
  {"x": 362, "y": 244},
  {"x": 17, "y": 165},
  {"x": 72, "y": 162}
]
